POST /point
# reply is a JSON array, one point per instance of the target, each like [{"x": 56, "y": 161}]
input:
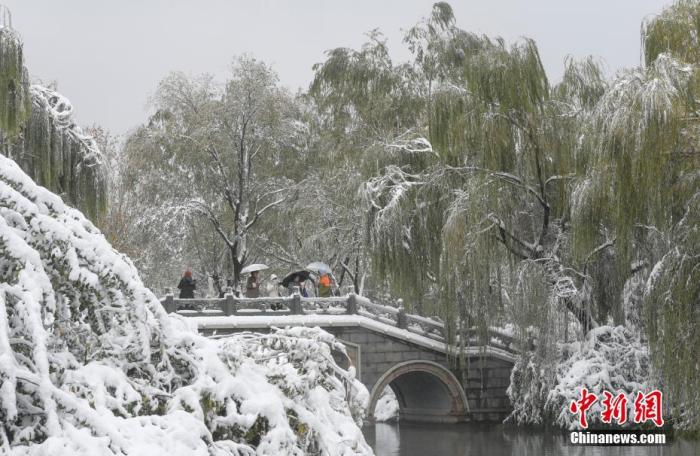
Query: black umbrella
[{"x": 303, "y": 275}]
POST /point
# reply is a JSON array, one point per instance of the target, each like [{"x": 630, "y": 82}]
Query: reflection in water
[
  {"x": 413, "y": 439},
  {"x": 387, "y": 438}
]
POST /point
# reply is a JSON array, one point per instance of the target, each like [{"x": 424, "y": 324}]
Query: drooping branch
[
  {"x": 607, "y": 244},
  {"x": 513, "y": 243},
  {"x": 503, "y": 177}
]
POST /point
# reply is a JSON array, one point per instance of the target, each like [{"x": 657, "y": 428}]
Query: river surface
[{"x": 410, "y": 439}]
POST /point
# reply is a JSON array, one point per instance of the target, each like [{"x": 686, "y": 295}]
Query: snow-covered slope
[{"x": 91, "y": 364}]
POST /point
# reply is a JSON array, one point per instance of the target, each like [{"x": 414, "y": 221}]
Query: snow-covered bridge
[{"x": 387, "y": 346}]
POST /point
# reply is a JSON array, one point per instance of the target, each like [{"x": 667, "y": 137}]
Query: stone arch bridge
[{"x": 387, "y": 346}]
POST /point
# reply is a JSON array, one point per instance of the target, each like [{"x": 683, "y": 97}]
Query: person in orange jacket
[{"x": 324, "y": 286}]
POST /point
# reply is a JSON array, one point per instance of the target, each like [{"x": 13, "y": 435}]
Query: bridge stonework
[
  {"x": 485, "y": 383},
  {"x": 387, "y": 347}
]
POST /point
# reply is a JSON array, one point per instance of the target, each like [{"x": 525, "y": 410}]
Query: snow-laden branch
[
  {"x": 412, "y": 146},
  {"x": 392, "y": 185},
  {"x": 61, "y": 111}
]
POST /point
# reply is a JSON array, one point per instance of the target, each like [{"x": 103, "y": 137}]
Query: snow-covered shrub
[
  {"x": 90, "y": 363},
  {"x": 387, "y": 406},
  {"x": 611, "y": 358}
]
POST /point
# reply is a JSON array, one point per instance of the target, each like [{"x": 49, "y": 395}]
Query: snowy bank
[{"x": 91, "y": 364}]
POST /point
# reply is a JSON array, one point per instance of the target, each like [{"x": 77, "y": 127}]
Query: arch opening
[{"x": 425, "y": 391}]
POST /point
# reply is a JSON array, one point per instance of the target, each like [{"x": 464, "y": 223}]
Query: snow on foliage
[
  {"x": 61, "y": 111},
  {"x": 90, "y": 363},
  {"x": 387, "y": 406},
  {"x": 611, "y": 358},
  {"x": 40, "y": 133}
]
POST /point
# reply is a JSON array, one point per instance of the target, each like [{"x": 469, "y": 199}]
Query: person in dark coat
[
  {"x": 252, "y": 286},
  {"x": 187, "y": 286},
  {"x": 297, "y": 282}
]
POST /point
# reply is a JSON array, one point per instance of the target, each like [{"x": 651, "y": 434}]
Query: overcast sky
[{"x": 108, "y": 56}]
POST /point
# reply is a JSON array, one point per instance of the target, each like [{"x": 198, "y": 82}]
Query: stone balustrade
[{"x": 350, "y": 304}]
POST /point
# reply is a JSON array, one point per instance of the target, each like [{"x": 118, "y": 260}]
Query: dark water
[{"x": 408, "y": 439}]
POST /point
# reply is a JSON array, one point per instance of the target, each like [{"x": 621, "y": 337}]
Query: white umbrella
[
  {"x": 254, "y": 267},
  {"x": 319, "y": 268}
]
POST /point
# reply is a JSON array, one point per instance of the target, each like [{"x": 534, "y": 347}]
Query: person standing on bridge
[
  {"x": 272, "y": 290},
  {"x": 187, "y": 286},
  {"x": 300, "y": 284},
  {"x": 324, "y": 286},
  {"x": 252, "y": 285}
]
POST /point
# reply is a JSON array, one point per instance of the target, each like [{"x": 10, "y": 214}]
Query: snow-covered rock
[{"x": 91, "y": 364}]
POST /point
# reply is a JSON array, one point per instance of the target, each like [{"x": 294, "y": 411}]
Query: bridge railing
[{"x": 338, "y": 305}]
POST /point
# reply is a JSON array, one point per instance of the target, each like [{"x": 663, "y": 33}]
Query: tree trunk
[{"x": 237, "y": 267}]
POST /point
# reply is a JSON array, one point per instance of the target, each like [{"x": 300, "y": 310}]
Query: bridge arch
[{"x": 426, "y": 391}]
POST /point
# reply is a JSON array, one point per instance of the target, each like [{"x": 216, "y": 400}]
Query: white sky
[{"x": 108, "y": 56}]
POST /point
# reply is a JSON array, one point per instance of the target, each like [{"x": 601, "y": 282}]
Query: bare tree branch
[{"x": 259, "y": 213}]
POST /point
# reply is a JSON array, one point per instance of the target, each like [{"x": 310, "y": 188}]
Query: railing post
[
  {"x": 169, "y": 303},
  {"x": 351, "y": 307},
  {"x": 296, "y": 302},
  {"x": 401, "y": 320},
  {"x": 229, "y": 304}
]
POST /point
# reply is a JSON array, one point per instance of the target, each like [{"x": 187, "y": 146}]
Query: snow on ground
[{"x": 90, "y": 363}]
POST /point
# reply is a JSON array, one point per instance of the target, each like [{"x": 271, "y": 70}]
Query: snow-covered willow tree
[
  {"x": 643, "y": 187},
  {"x": 90, "y": 363},
  {"x": 490, "y": 185},
  {"x": 374, "y": 115},
  {"x": 550, "y": 206},
  {"x": 209, "y": 154},
  {"x": 38, "y": 131},
  {"x": 323, "y": 219}
]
